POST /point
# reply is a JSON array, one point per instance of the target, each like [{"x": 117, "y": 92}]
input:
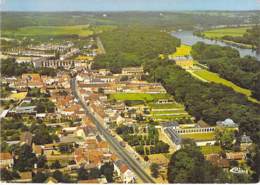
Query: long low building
[
  {"x": 174, "y": 137},
  {"x": 195, "y": 130},
  {"x": 45, "y": 62}
]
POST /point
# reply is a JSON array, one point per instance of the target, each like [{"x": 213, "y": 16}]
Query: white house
[{"x": 124, "y": 172}]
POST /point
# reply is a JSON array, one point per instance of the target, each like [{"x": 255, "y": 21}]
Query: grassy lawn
[
  {"x": 83, "y": 57},
  {"x": 18, "y": 96},
  {"x": 210, "y": 149},
  {"x": 168, "y": 156},
  {"x": 183, "y": 50},
  {"x": 180, "y": 111},
  {"x": 213, "y": 77},
  {"x": 219, "y": 33},
  {"x": 165, "y": 106},
  {"x": 200, "y": 136},
  {"x": 138, "y": 96},
  {"x": 159, "y": 158},
  {"x": 171, "y": 117}
]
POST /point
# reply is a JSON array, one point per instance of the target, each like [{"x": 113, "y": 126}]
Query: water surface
[{"x": 188, "y": 38}]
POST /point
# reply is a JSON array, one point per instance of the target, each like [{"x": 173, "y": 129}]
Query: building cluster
[
  {"x": 55, "y": 55},
  {"x": 176, "y": 134},
  {"x": 88, "y": 148},
  {"x": 97, "y": 86}
]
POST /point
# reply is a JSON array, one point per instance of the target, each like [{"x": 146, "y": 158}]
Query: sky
[{"x": 127, "y": 5}]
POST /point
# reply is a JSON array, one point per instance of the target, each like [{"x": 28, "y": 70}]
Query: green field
[
  {"x": 210, "y": 149},
  {"x": 165, "y": 106},
  {"x": 178, "y": 111},
  {"x": 138, "y": 96},
  {"x": 80, "y": 30},
  {"x": 199, "y": 136},
  {"x": 171, "y": 111},
  {"x": 183, "y": 50},
  {"x": 219, "y": 33},
  {"x": 213, "y": 77},
  {"x": 161, "y": 117}
]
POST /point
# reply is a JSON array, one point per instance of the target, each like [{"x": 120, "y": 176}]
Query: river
[{"x": 188, "y": 38}]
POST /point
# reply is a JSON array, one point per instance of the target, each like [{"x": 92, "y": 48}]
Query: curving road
[{"x": 132, "y": 163}]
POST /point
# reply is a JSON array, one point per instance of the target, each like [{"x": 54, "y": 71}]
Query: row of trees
[
  {"x": 225, "y": 61},
  {"x": 159, "y": 147}
]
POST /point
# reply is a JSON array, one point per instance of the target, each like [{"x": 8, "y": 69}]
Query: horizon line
[{"x": 93, "y": 11}]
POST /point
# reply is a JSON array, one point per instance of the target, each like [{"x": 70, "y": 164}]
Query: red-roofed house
[
  {"x": 6, "y": 159},
  {"x": 124, "y": 172}
]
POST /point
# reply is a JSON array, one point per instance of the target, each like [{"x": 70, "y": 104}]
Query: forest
[
  {"x": 166, "y": 20},
  {"x": 133, "y": 46}
]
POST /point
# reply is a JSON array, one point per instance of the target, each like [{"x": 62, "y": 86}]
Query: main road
[{"x": 123, "y": 154}]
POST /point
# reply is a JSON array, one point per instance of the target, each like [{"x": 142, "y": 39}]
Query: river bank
[{"x": 188, "y": 38}]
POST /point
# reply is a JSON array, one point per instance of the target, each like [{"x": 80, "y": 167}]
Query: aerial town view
[{"x": 130, "y": 91}]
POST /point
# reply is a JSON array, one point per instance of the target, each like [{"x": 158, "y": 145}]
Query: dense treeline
[
  {"x": 251, "y": 37},
  {"x": 208, "y": 101},
  {"x": 188, "y": 165},
  {"x": 165, "y": 20},
  {"x": 133, "y": 46},
  {"x": 225, "y": 61}
]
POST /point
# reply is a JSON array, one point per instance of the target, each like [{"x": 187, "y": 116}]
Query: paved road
[{"x": 132, "y": 163}]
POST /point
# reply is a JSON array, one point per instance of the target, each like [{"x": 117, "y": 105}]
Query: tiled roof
[
  {"x": 235, "y": 155},
  {"x": 5, "y": 156}
]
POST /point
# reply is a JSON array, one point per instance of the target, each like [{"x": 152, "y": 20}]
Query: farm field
[
  {"x": 219, "y": 33},
  {"x": 210, "y": 149},
  {"x": 183, "y": 50},
  {"x": 80, "y": 30},
  {"x": 138, "y": 96},
  {"x": 213, "y": 77},
  {"x": 199, "y": 136}
]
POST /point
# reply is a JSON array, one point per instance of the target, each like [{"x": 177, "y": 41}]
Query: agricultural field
[
  {"x": 210, "y": 149},
  {"x": 213, "y": 77},
  {"x": 199, "y": 136},
  {"x": 219, "y": 33},
  {"x": 183, "y": 50},
  {"x": 138, "y": 96},
  {"x": 80, "y": 30}
]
